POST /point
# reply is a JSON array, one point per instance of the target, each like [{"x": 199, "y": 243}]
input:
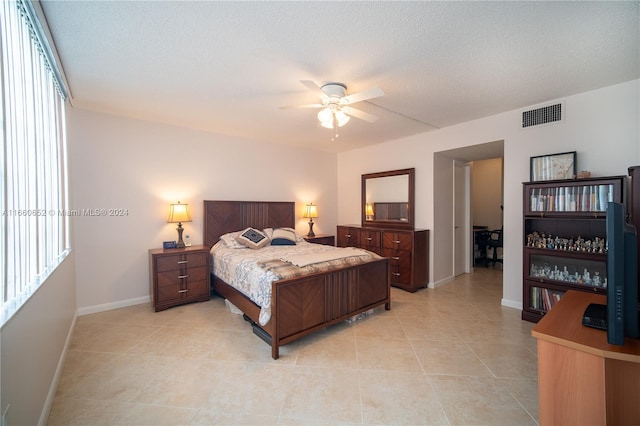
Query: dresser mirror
[{"x": 387, "y": 199}]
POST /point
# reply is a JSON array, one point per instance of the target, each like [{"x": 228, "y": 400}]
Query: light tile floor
[{"x": 450, "y": 356}]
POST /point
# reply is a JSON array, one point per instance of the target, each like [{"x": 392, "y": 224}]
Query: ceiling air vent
[{"x": 543, "y": 115}]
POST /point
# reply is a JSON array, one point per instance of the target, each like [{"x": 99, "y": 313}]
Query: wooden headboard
[{"x": 221, "y": 217}]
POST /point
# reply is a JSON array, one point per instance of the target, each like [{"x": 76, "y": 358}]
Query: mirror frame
[{"x": 408, "y": 224}]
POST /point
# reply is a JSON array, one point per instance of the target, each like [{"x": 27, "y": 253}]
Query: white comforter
[{"x": 239, "y": 268}]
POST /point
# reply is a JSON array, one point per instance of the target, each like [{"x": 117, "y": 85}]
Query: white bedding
[
  {"x": 239, "y": 268},
  {"x": 306, "y": 259}
]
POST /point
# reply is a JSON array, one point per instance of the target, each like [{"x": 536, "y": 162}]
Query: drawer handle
[
  {"x": 182, "y": 276},
  {"x": 369, "y": 238},
  {"x": 397, "y": 274},
  {"x": 182, "y": 261},
  {"x": 395, "y": 258},
  {"x": 396, "y": 241},
  {"x": 183, "y": 291},
  {"x": 348, "y": 235}
]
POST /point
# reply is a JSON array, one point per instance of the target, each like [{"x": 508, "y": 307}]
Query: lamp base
[
  {"x": 311, "y": 234},
  {"x": 180, "y": 243}
]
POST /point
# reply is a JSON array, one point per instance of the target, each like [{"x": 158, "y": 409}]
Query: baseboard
[
  {"x": 511, "y": 304},
  {"x": 48, "y": 403},
  {"x": 441, "y": 282},
  {"x": 113, "y": 305}
]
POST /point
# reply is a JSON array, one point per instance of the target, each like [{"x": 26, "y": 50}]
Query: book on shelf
[
  {"x": 543, "y": 299},
  {"x": 550, "y": 298},
  {"x": 584, "y": 198}
]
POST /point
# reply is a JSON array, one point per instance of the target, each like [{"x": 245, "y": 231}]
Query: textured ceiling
[{"x": 226, "y": 67}]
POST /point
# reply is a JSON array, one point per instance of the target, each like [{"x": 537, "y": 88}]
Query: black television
[
  {"x": 619, "y": 317},
  {"x": 622, "y": 276}
]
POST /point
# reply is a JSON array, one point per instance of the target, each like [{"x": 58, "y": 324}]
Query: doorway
[{"x": 450, "y": 217}]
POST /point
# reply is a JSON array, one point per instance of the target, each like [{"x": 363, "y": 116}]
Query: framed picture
[{"x": 553, "y": 166}]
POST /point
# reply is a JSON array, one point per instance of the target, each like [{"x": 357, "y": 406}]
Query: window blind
[{"x": 34, "y": 231}]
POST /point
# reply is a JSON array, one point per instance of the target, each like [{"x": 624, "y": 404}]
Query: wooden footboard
[{"x": 300, "y": 306}]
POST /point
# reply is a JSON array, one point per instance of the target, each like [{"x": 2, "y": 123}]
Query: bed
[{"x": 303, "y": 304}]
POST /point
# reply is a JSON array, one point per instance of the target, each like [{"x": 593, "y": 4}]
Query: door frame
[{"x": 462, "y": 235}]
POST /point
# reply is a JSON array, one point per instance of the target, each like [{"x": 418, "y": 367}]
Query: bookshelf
[{"x": 565, "y": 239}]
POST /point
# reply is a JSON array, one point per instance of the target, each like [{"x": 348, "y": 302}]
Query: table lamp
[
  {"x": 369, "y": 211},
  {"x": 179, "y": 213},
  {"x": 310, "y": 211}
]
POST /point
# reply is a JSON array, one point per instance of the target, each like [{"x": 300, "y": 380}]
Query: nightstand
[
  {"x": 327, "y": 240},
  {"x": 179, "y": 276}
]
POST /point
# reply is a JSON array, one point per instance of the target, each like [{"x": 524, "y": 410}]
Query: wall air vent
[{"x": 543, "y": 115}]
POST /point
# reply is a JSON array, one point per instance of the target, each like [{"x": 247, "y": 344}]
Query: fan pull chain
[{"x": 335, "y": 127}]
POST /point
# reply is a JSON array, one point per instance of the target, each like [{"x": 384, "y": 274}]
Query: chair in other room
[{"x": 495, "y": 242}]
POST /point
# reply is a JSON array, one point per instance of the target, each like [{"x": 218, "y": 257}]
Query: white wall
[
  {"x": 142, "y": 167},
  {"x": 33, "y": 341},
  {"x": 601, "y": 125},
  {"x": 486, "y": 193},
  {"x": 443, "y": 223}
]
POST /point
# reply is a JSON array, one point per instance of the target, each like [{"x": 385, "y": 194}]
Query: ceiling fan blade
[
  {"x": 313, "y": 87},
  {"x": 301, "y": 106},
  {"x": 374, "y": 92},
  {"x": 360, "y": 114}
]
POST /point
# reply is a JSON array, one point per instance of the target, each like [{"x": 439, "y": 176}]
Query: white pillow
[
  {"x": 283, "y": 237},
  {"x": 269, "y": 233},
  {"x": 230, "y": 240}
]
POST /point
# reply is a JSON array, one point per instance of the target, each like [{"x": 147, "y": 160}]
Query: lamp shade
[
  {"x": 369, "y": 210},
  {"x": 179, "y": 213},
  {"x": 310, "y": 211}
]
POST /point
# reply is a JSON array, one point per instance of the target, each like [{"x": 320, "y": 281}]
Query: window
[{"x": 33, "y": 195}]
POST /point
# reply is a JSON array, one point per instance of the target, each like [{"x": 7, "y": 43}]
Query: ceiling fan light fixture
[
  {"x": 330, "y": 117},
  {"x": 342, "y": 118},
  {"x": 326, "y": 116}
]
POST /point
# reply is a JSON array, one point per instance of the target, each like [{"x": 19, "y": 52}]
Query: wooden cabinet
[
  {"x": 179, "y": 276},
  {"x": 581, "y": 378},
  {"x": 327, "y": 240},
  {"x": 408, "y": 251},
  {"x": 369, "y": 239},
  {"x": 565, "y": 239},
  {"x": 347, "y": 236}
]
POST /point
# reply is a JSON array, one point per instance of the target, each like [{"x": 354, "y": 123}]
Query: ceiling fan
[{"x": 336, "y": 110}]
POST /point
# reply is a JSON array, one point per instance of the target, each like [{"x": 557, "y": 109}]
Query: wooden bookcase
[{"x": 565, "y": 239}]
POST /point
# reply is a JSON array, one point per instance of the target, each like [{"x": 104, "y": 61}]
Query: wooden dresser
[
  {"x": 179, "y": 276},
  {"x": 407, "y": 249}
]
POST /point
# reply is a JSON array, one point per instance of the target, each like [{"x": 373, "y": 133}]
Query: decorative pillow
[
  {"x": 230, "y": 240},
  {"x": 252, "y": 238},
  {"x": 269, "y": 233},
  {"x": 283, "y": 237}
]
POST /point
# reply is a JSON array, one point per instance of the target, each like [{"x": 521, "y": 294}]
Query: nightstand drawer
[
  {"x": 191, "y": 290},
  {"x": 177, "y": 277},
  {"x": 178, "y": 261}
]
